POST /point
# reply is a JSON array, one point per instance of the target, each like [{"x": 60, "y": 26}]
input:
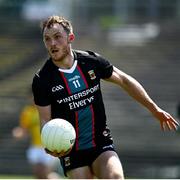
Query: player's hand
[
  {"x": 166, "y": 120},
  {"x": 57, "y": 154}
]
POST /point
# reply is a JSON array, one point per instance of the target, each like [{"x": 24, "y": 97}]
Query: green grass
[{"x": 16, "y": 177}]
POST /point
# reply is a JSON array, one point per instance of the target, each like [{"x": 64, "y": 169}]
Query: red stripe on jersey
[
  {"x": 77, "y": 130},
  {"x": 66, "y": 83},
  {"x": 84, "y": 79},
  {"x": 93, "y": 129},
  {"x": 91, "y": 107}
]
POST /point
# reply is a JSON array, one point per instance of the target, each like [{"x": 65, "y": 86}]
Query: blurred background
[{"x": 141, "y": 37}]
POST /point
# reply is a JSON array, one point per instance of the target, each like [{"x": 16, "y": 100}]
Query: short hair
[{"x": 47, "y": 23}]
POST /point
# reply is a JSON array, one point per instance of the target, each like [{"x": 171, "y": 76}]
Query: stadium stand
[{"x": 21, "y": 54}]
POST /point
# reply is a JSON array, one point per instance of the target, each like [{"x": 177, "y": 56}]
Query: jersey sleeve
[
  {"x": 105, "y": 68},
  {"x": 40, "y": 91}
]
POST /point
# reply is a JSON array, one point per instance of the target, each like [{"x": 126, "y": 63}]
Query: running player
[{"x": 68, "y": 86}]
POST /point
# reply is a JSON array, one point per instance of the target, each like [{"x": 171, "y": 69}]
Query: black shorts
[{"x": 82, "y": 158}]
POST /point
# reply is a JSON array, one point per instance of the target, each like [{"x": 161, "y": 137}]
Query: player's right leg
[
  {"x": 76, "y": 165},
  {"x": 80, "y": 173}
]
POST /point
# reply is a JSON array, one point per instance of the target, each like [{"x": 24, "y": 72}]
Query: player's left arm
[{"x": 136, "y": 90}]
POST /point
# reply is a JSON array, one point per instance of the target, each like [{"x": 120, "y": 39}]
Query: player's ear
[{"x": 71, "y": 38}]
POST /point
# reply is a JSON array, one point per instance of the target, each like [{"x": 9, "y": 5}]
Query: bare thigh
[
  {"x": 108, "y": 166},
  {"x": 80, "y": 173}
]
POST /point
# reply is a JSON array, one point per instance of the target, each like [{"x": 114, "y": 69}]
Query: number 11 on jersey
[{"x": 76, "y": 83}]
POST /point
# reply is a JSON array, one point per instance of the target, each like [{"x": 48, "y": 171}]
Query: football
[{"x": 58, "y": 135}]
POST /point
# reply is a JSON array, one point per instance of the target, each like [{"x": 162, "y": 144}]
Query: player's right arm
[
  {"x": 41, "y": 96},
  {"x": 44, "y": 114},
  {"x": 43, "y": 104}
]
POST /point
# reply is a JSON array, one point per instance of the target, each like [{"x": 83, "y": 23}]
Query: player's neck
[{"x": 67, "y": 62}]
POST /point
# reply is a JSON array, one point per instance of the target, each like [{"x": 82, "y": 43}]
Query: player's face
[{"x": 57, "y": 42}]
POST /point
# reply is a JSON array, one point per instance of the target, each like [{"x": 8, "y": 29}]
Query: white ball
[{"x": 58, "y": 135}]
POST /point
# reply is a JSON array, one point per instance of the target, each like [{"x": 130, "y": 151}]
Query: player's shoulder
[
  {"x": 86, "y": 53},
  {"x": 44, "y": 70},
  {"x": 91, "y": 57}
]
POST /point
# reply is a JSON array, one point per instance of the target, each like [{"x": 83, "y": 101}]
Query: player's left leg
[{"x": 108, "y": 166}]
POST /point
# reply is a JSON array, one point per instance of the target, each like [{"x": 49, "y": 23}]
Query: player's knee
[{"x": 116, "y": 175}]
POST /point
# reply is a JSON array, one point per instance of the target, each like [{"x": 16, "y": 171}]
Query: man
[{"x": 68, "y": 87}]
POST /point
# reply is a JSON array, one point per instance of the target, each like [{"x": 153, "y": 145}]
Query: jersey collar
[{"x": 71, "y": 70}]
